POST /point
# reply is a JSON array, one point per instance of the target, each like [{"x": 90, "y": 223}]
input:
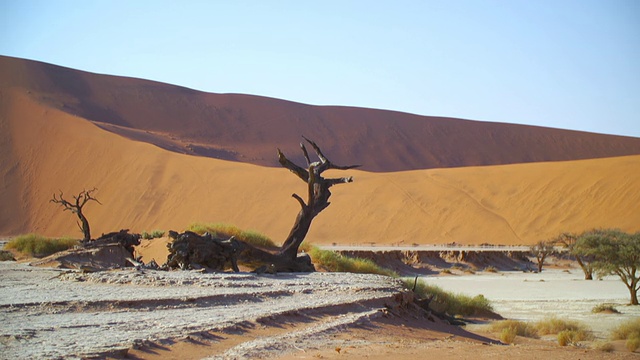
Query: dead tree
[
  {"x": 317, "y": 194},
  {"x": 190, "y": 250},
  {"x": 76, "y": 206}
]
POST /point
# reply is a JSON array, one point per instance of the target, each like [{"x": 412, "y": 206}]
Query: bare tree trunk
[{"x": 588, "y": 273}]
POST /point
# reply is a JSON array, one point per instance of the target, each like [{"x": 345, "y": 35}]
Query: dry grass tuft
[
  {"x": 226, "y": 230},
  {"x": 40, "y": 246}
]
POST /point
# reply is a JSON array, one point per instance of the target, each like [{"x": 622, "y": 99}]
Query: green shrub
[
  {"x": 152, "y": 235},
  {"x": 335, "y": 262},
  {"x": 6, "y": 256},
  {"x": 453, "y": 304},
  {"x": 627, "y": 330},
  {"x": 519, "y": 328},
  {"x": 225, "y": 230},
  {"x": 39, "y": 246},
  {"x": 605, "y": 308}
]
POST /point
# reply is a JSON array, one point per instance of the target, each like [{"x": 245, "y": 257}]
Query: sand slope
[
  {"x": 142, "y": 187},
  {"x": 248, "y": 128}
]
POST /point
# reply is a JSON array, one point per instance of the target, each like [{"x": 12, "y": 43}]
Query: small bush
[
  {"x": 6, "y": 256},
  {"x": 605, "y": 308},
  {"x": 491, "y": 269},
  {"x": 573, "y": 337},
  {"x": 152, "y": 235},
  {"x": 633, "y": 344},
  {"x": 39, "y": 246},
  {"x": 508, "y": 335},
  {"x": 225, "y": 230},
  {"x": 553, "y": 325},
  {"x": 453, "y": 304},
  {"x": 519, "y": 328},
  {"x": 603, "y": 346},
  {"x": 335, "y": 262},
  {"x": 627, "y": 330}
]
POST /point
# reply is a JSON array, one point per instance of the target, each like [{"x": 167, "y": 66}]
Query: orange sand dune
[
  {"x": 142, "y": 187},
  {"x": 248, "y": 128}
]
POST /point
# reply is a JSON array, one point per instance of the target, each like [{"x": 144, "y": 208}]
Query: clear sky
[{"x": 572, "y": 64}]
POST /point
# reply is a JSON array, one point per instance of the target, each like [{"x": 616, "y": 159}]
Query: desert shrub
[
  {"x": 508, "y": 335},
  {"x": 627, "y": 330},
  {"x": 39, "y": 246},
  {"x": 6, "y": 256},
  {"x": 633, "y": 344},
  {"x": 333, "y": 261},
  {"x": 573, "y": 337},
  {"x": 604, "y": 308},
  {"x": 491, "y": 269},
  {"x": 573, "y": 330},
  {"x": 519, "y": 328},
  {"x": 446, "y": 271},
  {"x": 152, "y": 235},
  {"x": 453, "y": 304},
  {"x": 603, "y": 346},
  {"x": 226, "y": 230}
]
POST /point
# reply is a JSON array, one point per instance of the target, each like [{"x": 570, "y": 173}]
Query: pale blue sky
[{"x": 558, "y": 63}]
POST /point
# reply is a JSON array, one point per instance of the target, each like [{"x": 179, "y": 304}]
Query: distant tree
[
  {"x": 614, "y": 252},
  {"x": 76, "y": 206},
  {"x": 568, "y": 240},
  {"x": 541, "y": 250}
]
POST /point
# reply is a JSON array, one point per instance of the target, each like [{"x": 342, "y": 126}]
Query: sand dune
[
  {"x": 142, "y": 187},
  {"x": 248, "y": 128}
]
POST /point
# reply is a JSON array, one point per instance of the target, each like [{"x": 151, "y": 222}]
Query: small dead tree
[
  {"x": 541, "y": 250},
  {"x": 76, "y": 206}
]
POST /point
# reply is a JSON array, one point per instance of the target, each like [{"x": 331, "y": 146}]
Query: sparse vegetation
[
  {"x": 627, "y": 330},
  {"x": 573, "y": 337},
  {"x": 225, "y": 230},
  {"x": 554, "y": 325},
  {"x": 446, "y": 271},
  {"x": 452, "y": 304},
  {"x": 491, "y": 269},
  {"x": 39, "y": 246},
  {"x": 633, "y": 344},
  {"x": 333, "y": 261},
  {"x": 509, "y": 329},
  {"x": 6, "y": 256},
  {"x": 603, "y": 346},
  {"x": 605, "y": 308},
  {"x": 567, "y": 332},
  {"x": 152, "y": 235}
]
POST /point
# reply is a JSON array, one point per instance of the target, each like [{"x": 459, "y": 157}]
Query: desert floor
[{"x": 53, "y": 313}]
